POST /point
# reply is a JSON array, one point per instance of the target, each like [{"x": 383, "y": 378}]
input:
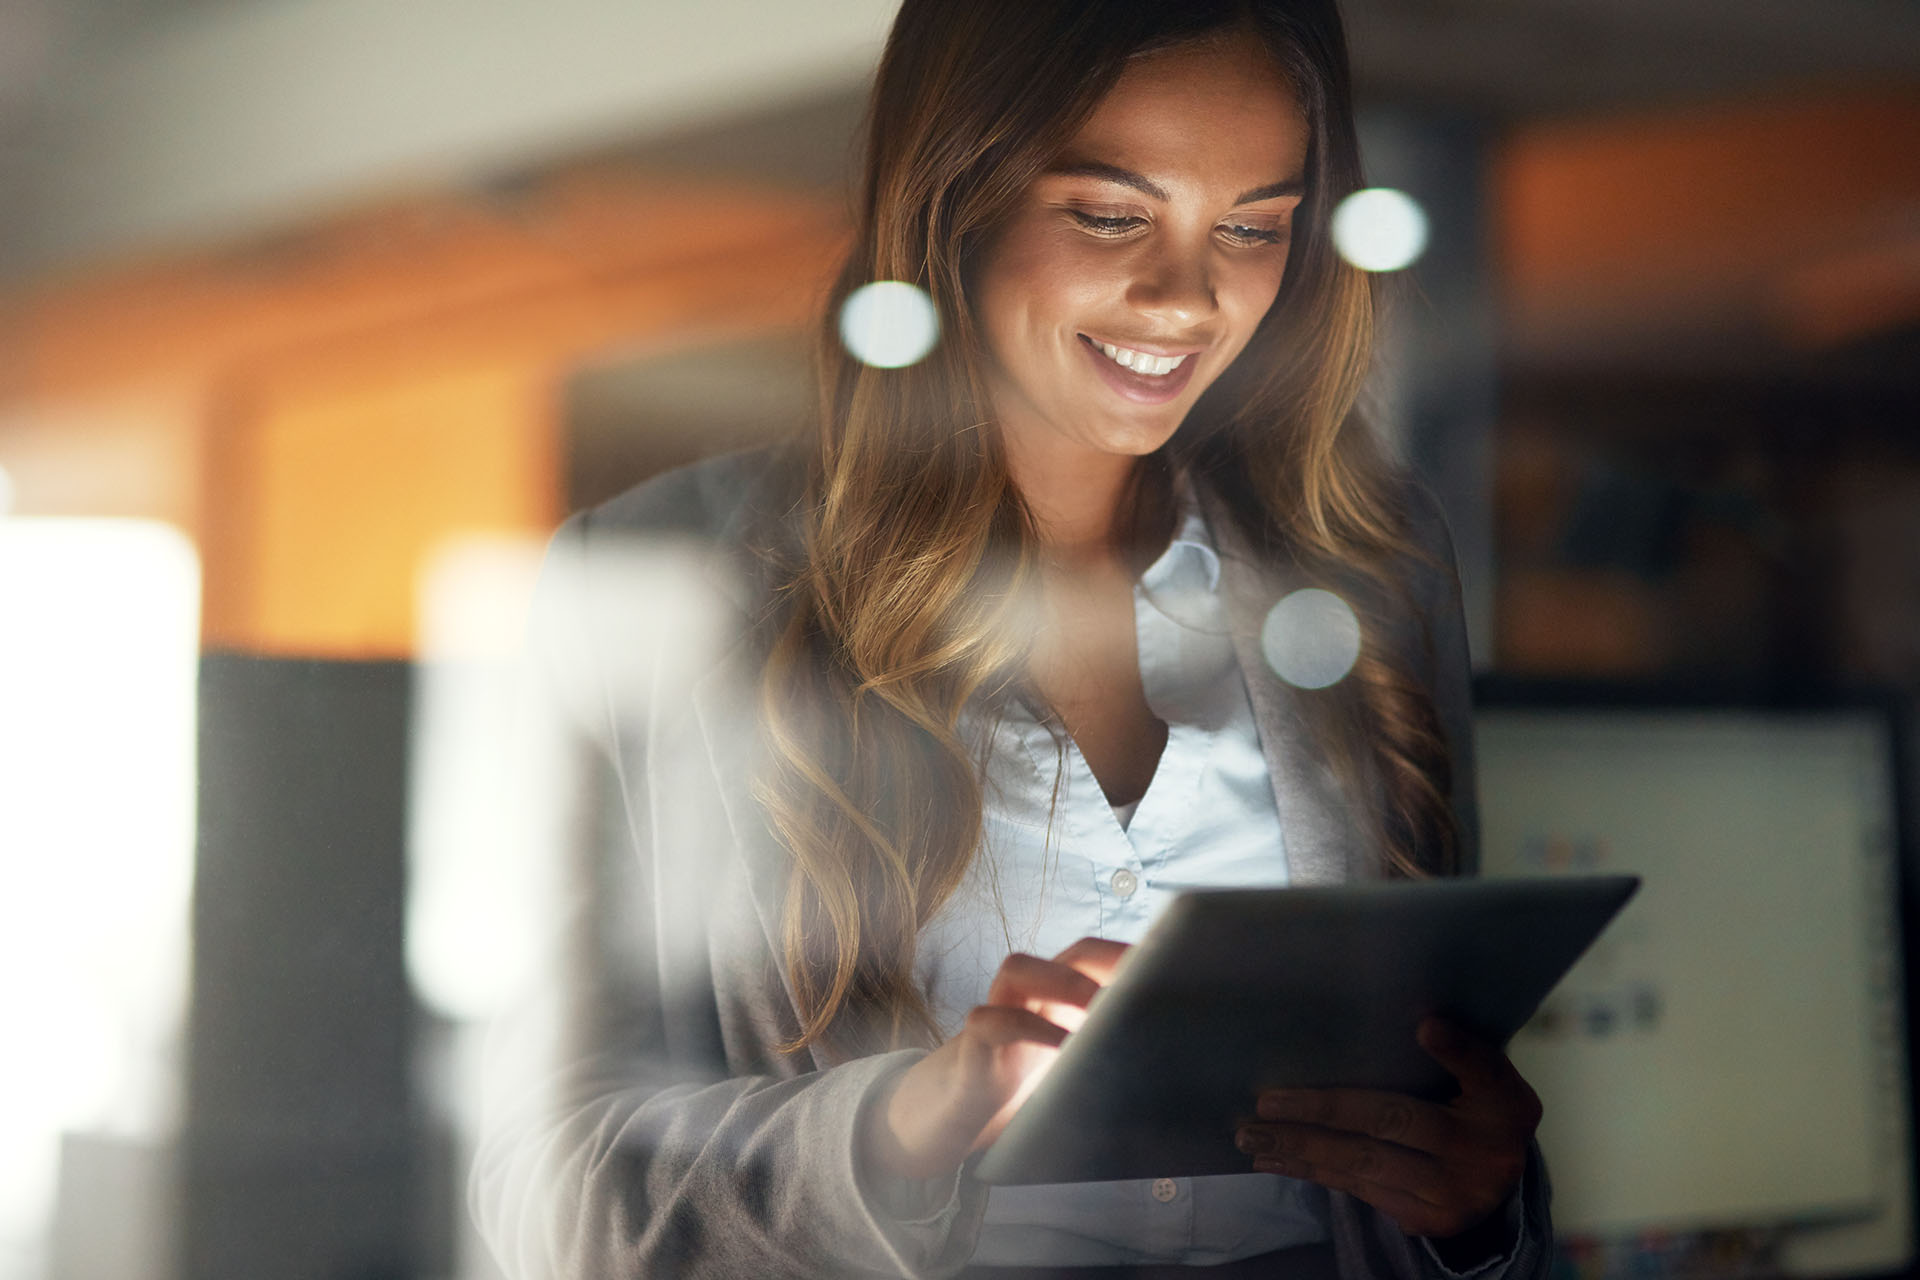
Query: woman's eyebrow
[
  {"x": 1291, "y": 187},
  {"x": 1146, "y": 186}
]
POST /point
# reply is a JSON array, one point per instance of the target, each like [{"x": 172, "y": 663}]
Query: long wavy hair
[{"x": 913, "y": 557}]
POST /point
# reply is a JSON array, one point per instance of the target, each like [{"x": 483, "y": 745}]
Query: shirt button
[
  {"x": 1165, "y": 1189},
  {"x": 1124, "y": 882}
]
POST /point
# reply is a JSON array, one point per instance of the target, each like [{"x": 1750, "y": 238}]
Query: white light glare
[
  {"x": 1380, "y": 229},
  {"x": 99, "y": 647},
  {"x": 507, "y": 682},
  {"x": 889, "y": 324},
  {"x": 1311, "y": 638},
  {"x": 483, "y": 787}
]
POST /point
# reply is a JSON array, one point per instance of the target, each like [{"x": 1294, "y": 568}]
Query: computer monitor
[{"x": 1733, "y": 1055}]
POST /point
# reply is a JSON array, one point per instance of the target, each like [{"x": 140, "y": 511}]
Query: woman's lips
[{"x": 1141, "y": 388}]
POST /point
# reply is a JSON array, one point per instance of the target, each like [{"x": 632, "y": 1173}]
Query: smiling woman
[
  {"x": 999, "y": 691},
  {"x": 1136, "y": 268}
]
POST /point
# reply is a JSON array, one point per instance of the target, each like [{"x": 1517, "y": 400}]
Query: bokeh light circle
[
  {"x": 1380, "y": 229},
  {"x": 889, "y": 324},
  {"x": 1311, "y": 638}
]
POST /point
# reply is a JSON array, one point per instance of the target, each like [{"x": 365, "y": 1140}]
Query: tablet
[{"x": 1237, "y": 990}]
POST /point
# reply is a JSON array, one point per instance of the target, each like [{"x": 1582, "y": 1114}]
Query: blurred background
[{"x": 316, "y": 316}]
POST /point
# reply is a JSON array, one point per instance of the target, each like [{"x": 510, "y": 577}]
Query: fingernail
[
  {"x": 1253, "y": 1142},
  {"x": 1277, "y": 1104}
]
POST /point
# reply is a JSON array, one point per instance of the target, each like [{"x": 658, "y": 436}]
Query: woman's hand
[
  {"x": 1436, "y": 1169},
  {"x": 958, "y": 1098}
]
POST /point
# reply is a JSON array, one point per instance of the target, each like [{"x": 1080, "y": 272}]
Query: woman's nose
[{"x": 1175, "y": 285}]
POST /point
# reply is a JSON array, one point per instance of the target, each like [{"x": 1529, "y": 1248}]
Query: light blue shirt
[{"x": 1207, "y": 818}]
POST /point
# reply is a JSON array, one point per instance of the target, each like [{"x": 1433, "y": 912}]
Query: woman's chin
[{"x": 1138, "y": 443}]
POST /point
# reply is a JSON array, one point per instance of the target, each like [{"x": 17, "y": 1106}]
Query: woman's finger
[
  {"x": 1478, "y": 1064},
  {"x": 1029, "y": 982},
  {"x": 1095, "y": 957},
  {"x": 1391, "y": 1117},
  {"x": 1351, "y": 1154},
  {"x": 998, "y": 1025},
  {"x": 1413, "y": 1214}
]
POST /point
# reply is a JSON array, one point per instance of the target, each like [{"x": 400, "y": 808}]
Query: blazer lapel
[
  {"x": 1322, "y": 840},
  {"x": 723, "y": 704},
  {"x": 724, "y": 698}
]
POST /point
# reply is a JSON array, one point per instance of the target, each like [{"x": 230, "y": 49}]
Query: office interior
[{"x": 317, "y": 316}]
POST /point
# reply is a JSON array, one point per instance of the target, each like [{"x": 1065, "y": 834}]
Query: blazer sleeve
[
  {"x": 1366, "y": 1242},
  {"x": 671, "y": 1141}
]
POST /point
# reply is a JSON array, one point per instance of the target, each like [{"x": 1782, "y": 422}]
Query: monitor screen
[{"x": 1732, "y": 1053}]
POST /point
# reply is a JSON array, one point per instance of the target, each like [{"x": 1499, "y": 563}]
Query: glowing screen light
[
  {"x": 99, "y": 648},
  {"x": 1380, "y": 229},
  {"x": 889, "y": 324},
  {"x": 1311, "y": 638}
]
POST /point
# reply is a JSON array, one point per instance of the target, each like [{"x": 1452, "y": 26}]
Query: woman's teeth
[{"x": 1140, "y": 361}]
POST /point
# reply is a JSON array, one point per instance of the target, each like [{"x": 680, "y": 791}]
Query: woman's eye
[
  {"x": 1256, "y": 235},
  {"x": 1106, "y": 224}
]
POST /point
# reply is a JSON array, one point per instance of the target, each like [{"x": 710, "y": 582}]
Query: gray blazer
[{"x": 688, "y": 1145}]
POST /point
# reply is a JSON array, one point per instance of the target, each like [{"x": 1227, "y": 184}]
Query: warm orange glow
[
  {"x": 353, "y": 492},
  {"x": 1604, "y": 624},
  {"x": 1701, "y": 218},
  {"x": 596, "y": 236},
  {"x": 321, "y": 410}
]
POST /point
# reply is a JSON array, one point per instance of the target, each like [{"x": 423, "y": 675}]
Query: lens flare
[
  {"x": 1380, "y": 229},
  {"x": 889, "y": 324},
  {"x": 99, "y": 653},
  {"x": 485, "y": 796},
  {"x": 1311, "y": 638}
]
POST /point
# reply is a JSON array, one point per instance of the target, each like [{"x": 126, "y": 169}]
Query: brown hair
[{"x": 915, "y": 552}]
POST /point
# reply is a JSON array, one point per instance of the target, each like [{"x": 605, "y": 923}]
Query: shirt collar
[{"x": 1190, "y": 558}]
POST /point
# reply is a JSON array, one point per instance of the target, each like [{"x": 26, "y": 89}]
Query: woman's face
[{"x": 1160, "y": 233}]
